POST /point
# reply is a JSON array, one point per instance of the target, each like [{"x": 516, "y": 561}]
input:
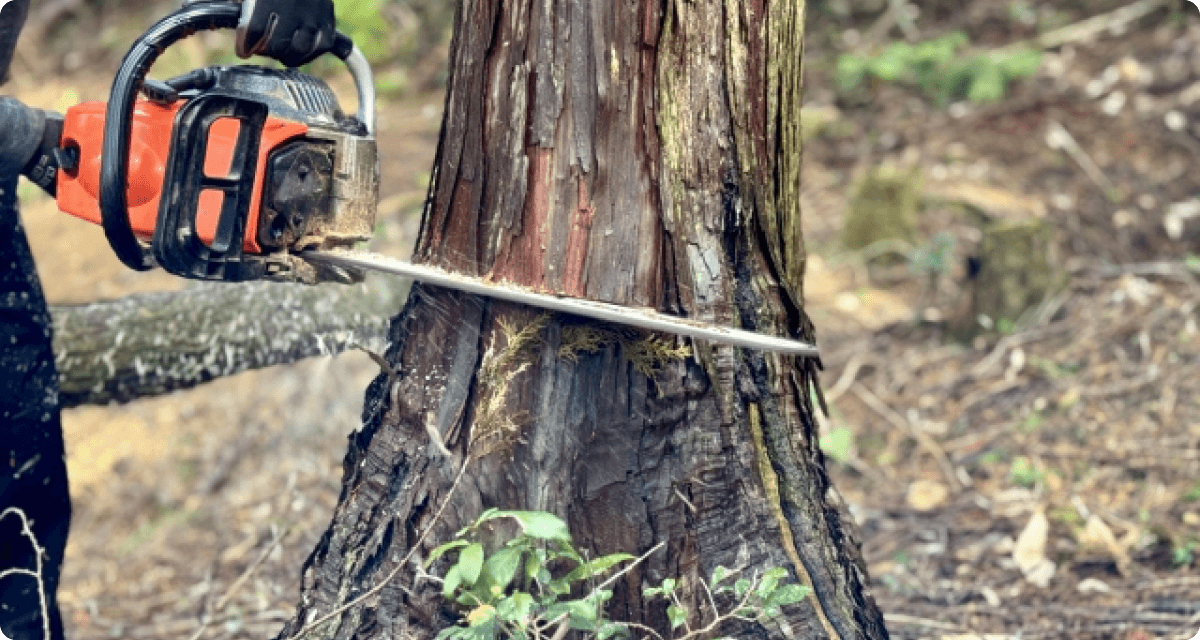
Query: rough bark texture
[
  {"x": 642, "y": 153},
  {"x": 155, "y": 343}
]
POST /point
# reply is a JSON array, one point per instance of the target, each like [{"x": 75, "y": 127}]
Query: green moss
[
  {"x": 882, "y": 206},
  {"x": 1017, "y": 272}
]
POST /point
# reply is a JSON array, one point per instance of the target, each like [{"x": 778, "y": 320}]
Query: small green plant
[
  {"x": 934, "y": 258},
  {"x": 537, "y": 585},
  {"x": 1031, "y": 424},
  {"x": 1023, "y": 473},
  {"x": 1183, "y": 555},
  {"x": 1193, "y": 494},
  {"x": 838, "y": 444},
  {"x": 1066, "y": 515},
  {"x": 941, "y": 69}
]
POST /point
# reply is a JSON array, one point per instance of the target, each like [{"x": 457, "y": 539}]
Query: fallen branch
[
  {"x": 1090, "y": 28},
  {"x": 151, "y": 344}
]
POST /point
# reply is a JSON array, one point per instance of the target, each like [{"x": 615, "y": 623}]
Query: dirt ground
[{"x": 1040, "y": 483}]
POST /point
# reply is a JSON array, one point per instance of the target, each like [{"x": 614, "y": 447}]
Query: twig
[
  {"x": 849, "y": 373},
  {"x": 1058, "y": 138},
  {"x": 900, "y": 618},
  {"x": 896, "y": 16},
  {"x": 878, "y": 406},
  {"x": 564, "y": 625},
  {"x": 691, "y": 507},
  {"x": 207, "y": 610},
  {"x": 399, "y": 566},
  {"x": 237, "y": 584},
  {"x": 1091, "y": 27},
  {"x": 613, "y": 578},
  {"x": 1015, "y": 340},
  {"x": 36, "y": 573}
]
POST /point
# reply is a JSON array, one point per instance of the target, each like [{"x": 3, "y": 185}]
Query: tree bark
[
  {"x": 152, "y": 344},
  {"x": 642, "y": 153}
]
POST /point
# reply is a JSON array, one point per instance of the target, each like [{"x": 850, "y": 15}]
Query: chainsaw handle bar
[{"x": 204, "y": 15}]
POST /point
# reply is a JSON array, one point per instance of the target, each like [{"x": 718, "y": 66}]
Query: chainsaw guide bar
[{"x": 640, "y": 317}]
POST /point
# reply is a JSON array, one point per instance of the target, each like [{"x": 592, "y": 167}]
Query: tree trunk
[
  {"x": 155, "y": 343},
  {"x": 642, "y": 153}
]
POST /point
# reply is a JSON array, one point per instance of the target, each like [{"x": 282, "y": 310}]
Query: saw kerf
[{"x": 640, "y": 317}]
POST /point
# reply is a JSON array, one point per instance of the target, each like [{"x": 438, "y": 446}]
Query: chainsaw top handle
[{"x": 118, "y": 124}]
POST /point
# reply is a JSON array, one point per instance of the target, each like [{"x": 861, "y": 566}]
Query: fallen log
[{"x": 151, "y": 344}]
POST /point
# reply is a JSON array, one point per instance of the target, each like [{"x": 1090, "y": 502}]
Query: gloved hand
[
  {"x": 291, "y": 31},
  {"x": 30, "y": 143}
]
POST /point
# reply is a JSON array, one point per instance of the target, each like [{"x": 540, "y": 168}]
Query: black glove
[
  {"x": 42, "y": 168},
  {"x": 30, "y": 143},
  {"x": 291, "y": 31}
]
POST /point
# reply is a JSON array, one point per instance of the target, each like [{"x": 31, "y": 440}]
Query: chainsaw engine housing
[{"x": 225, "y": 171}]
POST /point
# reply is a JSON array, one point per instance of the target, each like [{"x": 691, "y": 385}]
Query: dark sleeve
[
  {"x": 33, "y": 474},
  {"x": 20, "y": 135},
  {"x": 12, "y": 18}
]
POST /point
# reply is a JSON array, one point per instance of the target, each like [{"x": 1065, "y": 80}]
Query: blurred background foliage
[{"x": 406, "y": 40}]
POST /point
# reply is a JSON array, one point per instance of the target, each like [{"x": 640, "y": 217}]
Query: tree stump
[{"x": 1016, "y": 271}]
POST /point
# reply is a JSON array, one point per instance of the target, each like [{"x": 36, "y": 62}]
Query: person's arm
[
  {"x": 293, "y": 32},
  {"x": 12, "y": 18},
  {"x": 28, "y": 142}
]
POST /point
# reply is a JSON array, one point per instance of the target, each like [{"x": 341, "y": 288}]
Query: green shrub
[
  {"x": 941, "y": 69},
  {"x": 536, "y": 584}
]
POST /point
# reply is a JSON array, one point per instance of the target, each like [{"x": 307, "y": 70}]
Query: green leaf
[
  {"x": 789, "y": 594},
  {"x": 741, "y": 587},
  {"x": 770, "y": 612},
  {"x": 470, "y": 562},
  {"x": 501, "y": 567},
  {"x": 852, "y": 70},
  {"x": 453, "y": 633},
  {"x": 563, "y": 549},
  {"x": 650, "y": 592},
  {"x": 488, "y": 514},
  {"x": 668, "y": 586},
  {"x": 482, "y": 615},
  {"x": 889, "y": 67},
  {"x": 597, "y": 566},
  {"x": 533, "y": 564},
  {"x": 441, "y": 549},
  {"x": 581, "y": 613},
  {"x": 838, "y": 443},
  {"x": 515, "y": 608},
  {"x": 539, "y": 524},
  {"x": 719, "y": 574},
  {"x": 677, "y": 616},
  {"x": 770, "y": 580},
  {"x": 1021, "y": 63},
  {"x": 612, "y": 630},
  {"x": 450, "y": 582},
  {"x": 988, "y": 85}
]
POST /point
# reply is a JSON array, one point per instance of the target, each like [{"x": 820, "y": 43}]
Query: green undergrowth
[
  {"x": 531, "y": 581},
  {"x": 943, "y": 69}
]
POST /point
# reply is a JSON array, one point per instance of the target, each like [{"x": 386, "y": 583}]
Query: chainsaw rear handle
[{"x": 205, "y": 15}]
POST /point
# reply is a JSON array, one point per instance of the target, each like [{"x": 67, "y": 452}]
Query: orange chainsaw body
[{"x": 153, "y": 124}]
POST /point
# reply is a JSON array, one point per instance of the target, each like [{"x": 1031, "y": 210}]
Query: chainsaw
[{"x": 239, "y": 173}]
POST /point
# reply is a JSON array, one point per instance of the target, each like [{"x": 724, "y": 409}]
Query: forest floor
[{"x": 1043, "y": 482}]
